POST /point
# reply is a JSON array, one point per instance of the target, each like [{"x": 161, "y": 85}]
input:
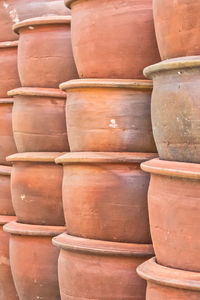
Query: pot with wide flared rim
[
  {"x": 36, "y": 186},
  {"x": 167, "y": 283},
  {"x": 173, "y": 204},
  {"x": 105, "y": 196},
  {"x": 109, "y": 115},
  {"x": 175, "y": 108},
  {"x": 45, "y": 49},
  {"x": 34, "y": 260},
  {"x": 8, "y": 71},
  {"x": 6, "y": 207},
  {"x": 101, "y": 266},
  {"x": 122, "y": 46},
  {"x": 39, "y": 123}
]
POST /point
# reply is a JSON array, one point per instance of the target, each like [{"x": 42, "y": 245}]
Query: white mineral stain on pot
[
  {"x": 31, "y": 27},
  {"x": 14, "y": 16},
  {"x": 23, "y": 197},
  {"x": 5, "y": 4},
  {"x": 113, "y": 123}
]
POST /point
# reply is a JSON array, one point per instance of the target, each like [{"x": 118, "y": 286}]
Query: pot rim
[
  {"x": 31, "y": 91},
  {"x": 44, "y": 157},
  {"x": 172, "y": 168},
  {"x": 17, "y": 228},
  {"x": 7, "y": 219},
  {"x": 5, "y": 171},
  {"x": 104, "y": 157},
  {"x": 6, "y": 101},
  {"x": 77, "y": 244},
  {"x": 161, "y": 275},
  {"x": 172, "y": 64},
  {"x": 8, "y": 44},
  {"x": 45, "y": 20},
  {"x": 107, "y": 83},
  {"x": 68, "y": 3}
]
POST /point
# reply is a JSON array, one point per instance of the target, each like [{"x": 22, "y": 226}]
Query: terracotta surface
[
  {"x": 92, "y": 269},
  {"x": 7, "y": 145},
  {"x": 109, "y": 115},
  {"x": 173, "y": 202},
  {"x": 36, "y": 185},
  {"x": 6, "y": 207},
  {"x": 8, "y": 71},
  {"x": 175, "y": 108},
  {"x": 177, "y": 27},
  {"x": 113, "y": 39},
  {"x": 39, "y": 123},
  {"x": 105, "y": 196},
  {"x": 45, "y": 49},
  {"x": 169, "y": 284},
  {"x": 7, "y": 288},
  {"x": 34, "y": 260}
]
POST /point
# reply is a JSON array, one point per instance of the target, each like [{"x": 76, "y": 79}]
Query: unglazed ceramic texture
[{"x": 6, "y": 207}]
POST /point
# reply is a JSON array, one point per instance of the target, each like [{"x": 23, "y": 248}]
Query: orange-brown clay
[
  {"x": 36, "y": 185},
  {"x": 6, "y": 207},
  {"x": 34, "y": 260}
]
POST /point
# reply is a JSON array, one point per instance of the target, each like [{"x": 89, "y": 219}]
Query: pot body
[
  {"x": 109, "y": 120},
  {"x": 6, "y": 207},
  {"x": 122, "y": 46}
]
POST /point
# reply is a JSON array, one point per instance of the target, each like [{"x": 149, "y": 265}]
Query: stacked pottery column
[
  {"x": 44, "y": 60},
  {"x": 109, "y": 132},
  {"x": 174, "y": 192}
]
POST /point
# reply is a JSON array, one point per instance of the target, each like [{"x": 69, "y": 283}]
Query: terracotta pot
[
  {"x": 39, "y": 123},
  {"x": 105, "y": 115},
  {"x": 105, "y": 196},
  {"x": 118, "y": 40},
  {"x": 169, "y": 284},
  {"x": 36, "y": 185},
  {"x": 45, "y": 49},
  {"x": 174, "y": 210},
  {"x": 34, "y": 260},
  {"x": 6, "y": 207},
  {"x": 7, "y": 288},
  {"x": 175, "y": 108},
  {"x": 177, "y": 27},
  {"x": 92, "y": 269},
  {"x": 8, "y": 70},
  {"x": 7, "y": 144}
]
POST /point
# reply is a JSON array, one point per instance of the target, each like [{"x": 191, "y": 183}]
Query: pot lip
[
  {"x": 7, "y": 219},
  {"x": 68, "y": 3},
  {"x": 8, "y": 44},
  {"x": 17, "y": 228},
  {"x": 5, "y": 171},
  {"x": 79, "y": 244},
  {"x": 107, "y": 83},
  {"x": 172, "y": 64},
  {"x": 6, "y": 101},
  {"x": 44, "y": 157},
  {"x": 45, "y": 20},
  {"x": 161, "y": 275},
  {"x": 104, "y": 157},
  {"x": 172, "y": 168},
  {"x": 31, "y": 91}
]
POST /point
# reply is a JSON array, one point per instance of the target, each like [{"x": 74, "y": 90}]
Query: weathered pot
[
  {"x": 175, "y": 108},
  {"x": 105, "y": 196},
  {"x": 34, "y": 260},
  {"x": 109, "y": 115},
  {"x": 118, "y": 40},
  {"x": 39, "y": 123},
  {"x": 36, "y": 185},
  {"x": 45, "y": 49},
  {"x": 6, "y": 207},
  {"x": 169, "y": 284},
  {"x": 101, "y": 266},
  {"x": 7, "y": 144},
  {"x": 8, "y": 70},
  {"x": 173, "y": 203},
  {"x": 177, "y": 27}
]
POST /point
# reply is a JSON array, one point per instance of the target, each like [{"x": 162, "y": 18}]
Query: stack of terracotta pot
[
  {"x": 174, "y": 192},
  {"x": 110, "y": 134},
  {"x": 44, "y": 60}
]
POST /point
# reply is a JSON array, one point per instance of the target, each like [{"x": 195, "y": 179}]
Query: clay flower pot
[
  {"x": 36, "y": 185},
  {"x": 105, "y": 196},
  {"x": 6, "y": 207},
  {"x": 7, "y": 143},
  {"x": 39, "y": 123},
  {"x": 111, "y": 39},
  {"x": 34, "y": 260},
  {"x": 177, "y": 27},
  {"x": 45, "y": 49},
  {"x": 175, "y": 108},
  {"x": 8, "y": 70},
  {"x": 173, "y": 203},
  {"x": 168, "y": 283},
  {"x": 109, "y": 115},
  {"x": 92, "y": 269}
]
